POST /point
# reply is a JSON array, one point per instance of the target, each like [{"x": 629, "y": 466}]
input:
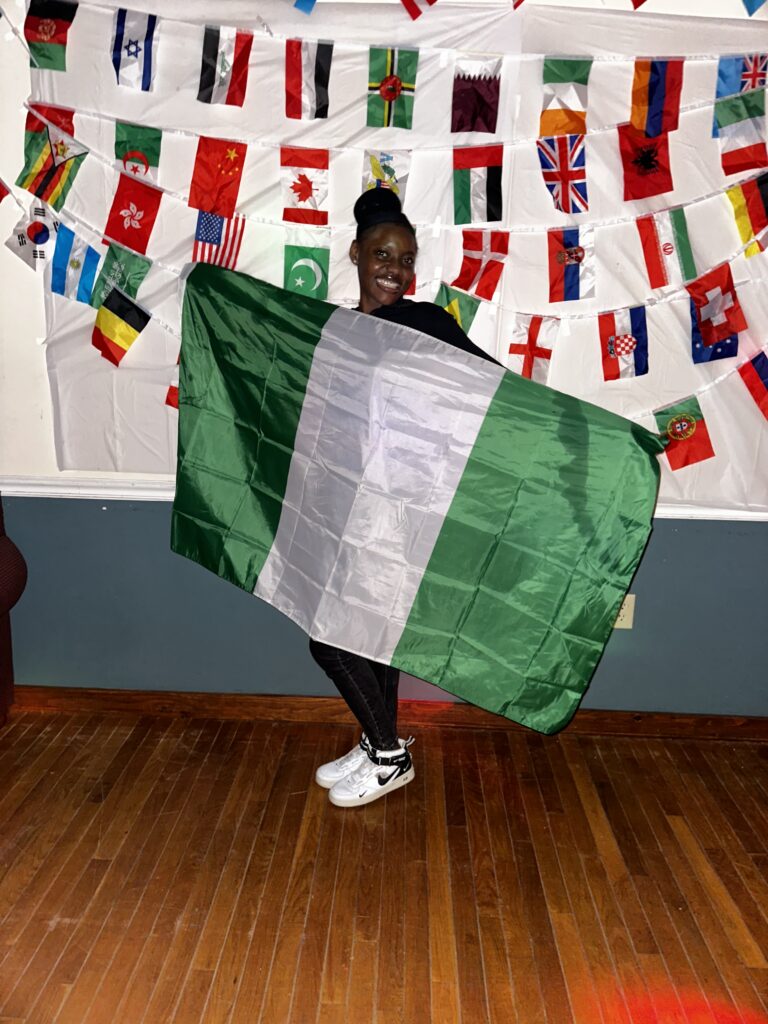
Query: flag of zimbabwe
[
  {"x": 51, "y": 156},
  {"x": 119, "y": 322},
  {"x": 45, "y": 29},
  {"x": 391, "y": 87}
]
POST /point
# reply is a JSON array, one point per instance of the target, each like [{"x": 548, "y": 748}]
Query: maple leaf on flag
[{"x": 303, "y": 188}]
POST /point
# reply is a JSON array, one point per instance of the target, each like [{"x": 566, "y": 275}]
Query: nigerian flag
[{"x": 404, "y": 500}]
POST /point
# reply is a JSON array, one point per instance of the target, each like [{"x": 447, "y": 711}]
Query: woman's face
[{"x": 386, "y": 262}]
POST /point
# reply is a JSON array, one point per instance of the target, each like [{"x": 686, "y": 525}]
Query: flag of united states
[{"x": 218, "y": 239}]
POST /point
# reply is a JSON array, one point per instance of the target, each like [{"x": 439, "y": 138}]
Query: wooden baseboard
[{"x": 413, "y": 713}]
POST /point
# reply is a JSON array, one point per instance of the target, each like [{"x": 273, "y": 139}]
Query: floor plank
[{"x": 189, "y": 871}]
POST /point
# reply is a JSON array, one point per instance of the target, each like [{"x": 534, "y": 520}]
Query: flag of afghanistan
[
  {"x": 46, "y": 28},
  {"x": 492, "y": 560}
]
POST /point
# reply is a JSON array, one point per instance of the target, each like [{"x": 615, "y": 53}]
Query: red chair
[{"x": 13, "y": 579}]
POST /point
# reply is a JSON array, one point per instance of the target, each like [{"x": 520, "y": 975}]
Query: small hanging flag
[
  {"x": 121, "y": 269},
  {"x": 46, "y": 28},
  {"x": 52, "y": 158},
  {"x": 391, "y": 87},
  {"x": 415, "y": 7},
  {"x": 133, "y": 213},
  {"x": 684, "y": 425},
  {"x": 461, "y": 306},
  {"x": 666, "y": 247},
  {"x": 740, "y": 74},
  {"x": 755, "y": 375},
  {"x": 753, "y": 6},
  {"x": 119, "y": 322},
  {"x": 530, "y": 351},
  {"x": 305, "y": 268},
  {"x": 563, "y": 161},
  {"x": 218, "y": 239},
  {"x": 750, "y": 210},
  {"x": 718, "y": 310},
  {"x": 477, "y": 192},
  {"x": 137, "y": 150},
  {"x": 74, "y": 266},
  {"x": 34, "y": 237},
  {"x": 623, "y": 343},
  {"x": 564, "y": 96},
  {"x": 571, "y": 264},
  {"x": 701, "y": 353},
  {"x": 305, "y": 6},
  {"x": 387, "y": 170},
  {"x": 224, "y": 68},
  {"x": 307, "y": 73},
  {"x": 134, "y": 37},
  {"x": 482, "y": 261},
  {"x": 172, "y": 394},
  {"x": 216, "y": 175},
  {"x": 646, "y": 164},
  {"x": 656, "y": 96},
  {"x": 304, "y": 180},
  {"x": 740, "y": 127},
  {"x": 476, "y": 88}
]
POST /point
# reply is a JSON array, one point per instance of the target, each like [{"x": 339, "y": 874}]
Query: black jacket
[{"x": 432, "y": 320}]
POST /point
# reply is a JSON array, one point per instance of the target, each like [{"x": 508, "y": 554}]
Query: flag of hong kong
[{"x": 133, "y": 214}]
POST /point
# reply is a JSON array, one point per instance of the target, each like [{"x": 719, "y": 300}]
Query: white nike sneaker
[
  {"x": 382, "y": 772},
  {"x": 327, "y": 775}
]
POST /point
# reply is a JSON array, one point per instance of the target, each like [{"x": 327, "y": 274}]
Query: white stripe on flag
[
  {"x": 388, "y": 414},
  {"x": 742, "y": 134},
  {"x": 478, "y": 193},
  {"x": 308, "y": 97},
  {"x": 624, "y": 327},
  {"x": 225, "y": 58}
]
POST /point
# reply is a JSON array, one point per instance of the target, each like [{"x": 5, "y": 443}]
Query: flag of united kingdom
[
  {"x": 564, "y": 169},
  {"x": 754, "y": 71}
]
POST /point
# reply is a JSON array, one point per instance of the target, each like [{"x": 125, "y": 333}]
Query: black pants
[{"x": 370, "y": 690}]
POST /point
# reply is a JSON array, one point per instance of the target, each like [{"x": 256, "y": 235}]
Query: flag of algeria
[{"x": 404, "y": 500}]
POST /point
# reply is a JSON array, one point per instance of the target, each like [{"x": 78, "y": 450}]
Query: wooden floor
[{"x": 165, "y": 870}]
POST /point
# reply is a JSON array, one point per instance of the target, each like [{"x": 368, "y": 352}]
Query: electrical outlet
[{"x": 626, "y": 617}]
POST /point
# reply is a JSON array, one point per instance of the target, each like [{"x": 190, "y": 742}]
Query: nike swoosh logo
[{"x": 383, "y": 782}]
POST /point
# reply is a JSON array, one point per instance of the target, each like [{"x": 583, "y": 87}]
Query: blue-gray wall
[{"x": 109, "y": 605}]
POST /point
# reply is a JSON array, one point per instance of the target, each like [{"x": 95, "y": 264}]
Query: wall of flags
[{"x": 597, "y": 222}]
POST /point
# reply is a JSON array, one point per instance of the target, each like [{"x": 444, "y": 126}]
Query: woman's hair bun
[
  {"x": 375, "y": 202},
  {"x": 379, "y": 206}
]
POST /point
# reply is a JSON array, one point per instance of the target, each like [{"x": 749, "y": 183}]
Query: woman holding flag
[{"x": 384, "y": 251}]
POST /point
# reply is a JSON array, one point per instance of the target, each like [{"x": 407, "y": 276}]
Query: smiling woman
[{"x": 384, "y": 252}]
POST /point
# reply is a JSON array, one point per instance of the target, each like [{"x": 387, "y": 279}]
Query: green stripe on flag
[
  {"x": 742, "y": 107},
  {"x": 462, "y": 197},
  {"x": 534, "y": 556},
  {"x": 240, "y": 408},
  {"x": 558, "y": 70},
  {"x": 683, "y": 244},
  {"x": 51, "y": 56}
]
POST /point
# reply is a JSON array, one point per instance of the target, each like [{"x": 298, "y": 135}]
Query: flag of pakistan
[
  {"x": 306, "y": 271},
  {"x": 404, "y": 500}
]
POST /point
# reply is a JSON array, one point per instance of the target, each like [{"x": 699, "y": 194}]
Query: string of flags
[
  {"x": 53, "y": 157},
  {"x": 109, "y": 260}
]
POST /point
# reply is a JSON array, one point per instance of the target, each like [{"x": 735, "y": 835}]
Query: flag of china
[
  {"x": 216, "y": 176},
  {"x": 133, "y": 213},
  {"x": 646, "y": 163}
]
